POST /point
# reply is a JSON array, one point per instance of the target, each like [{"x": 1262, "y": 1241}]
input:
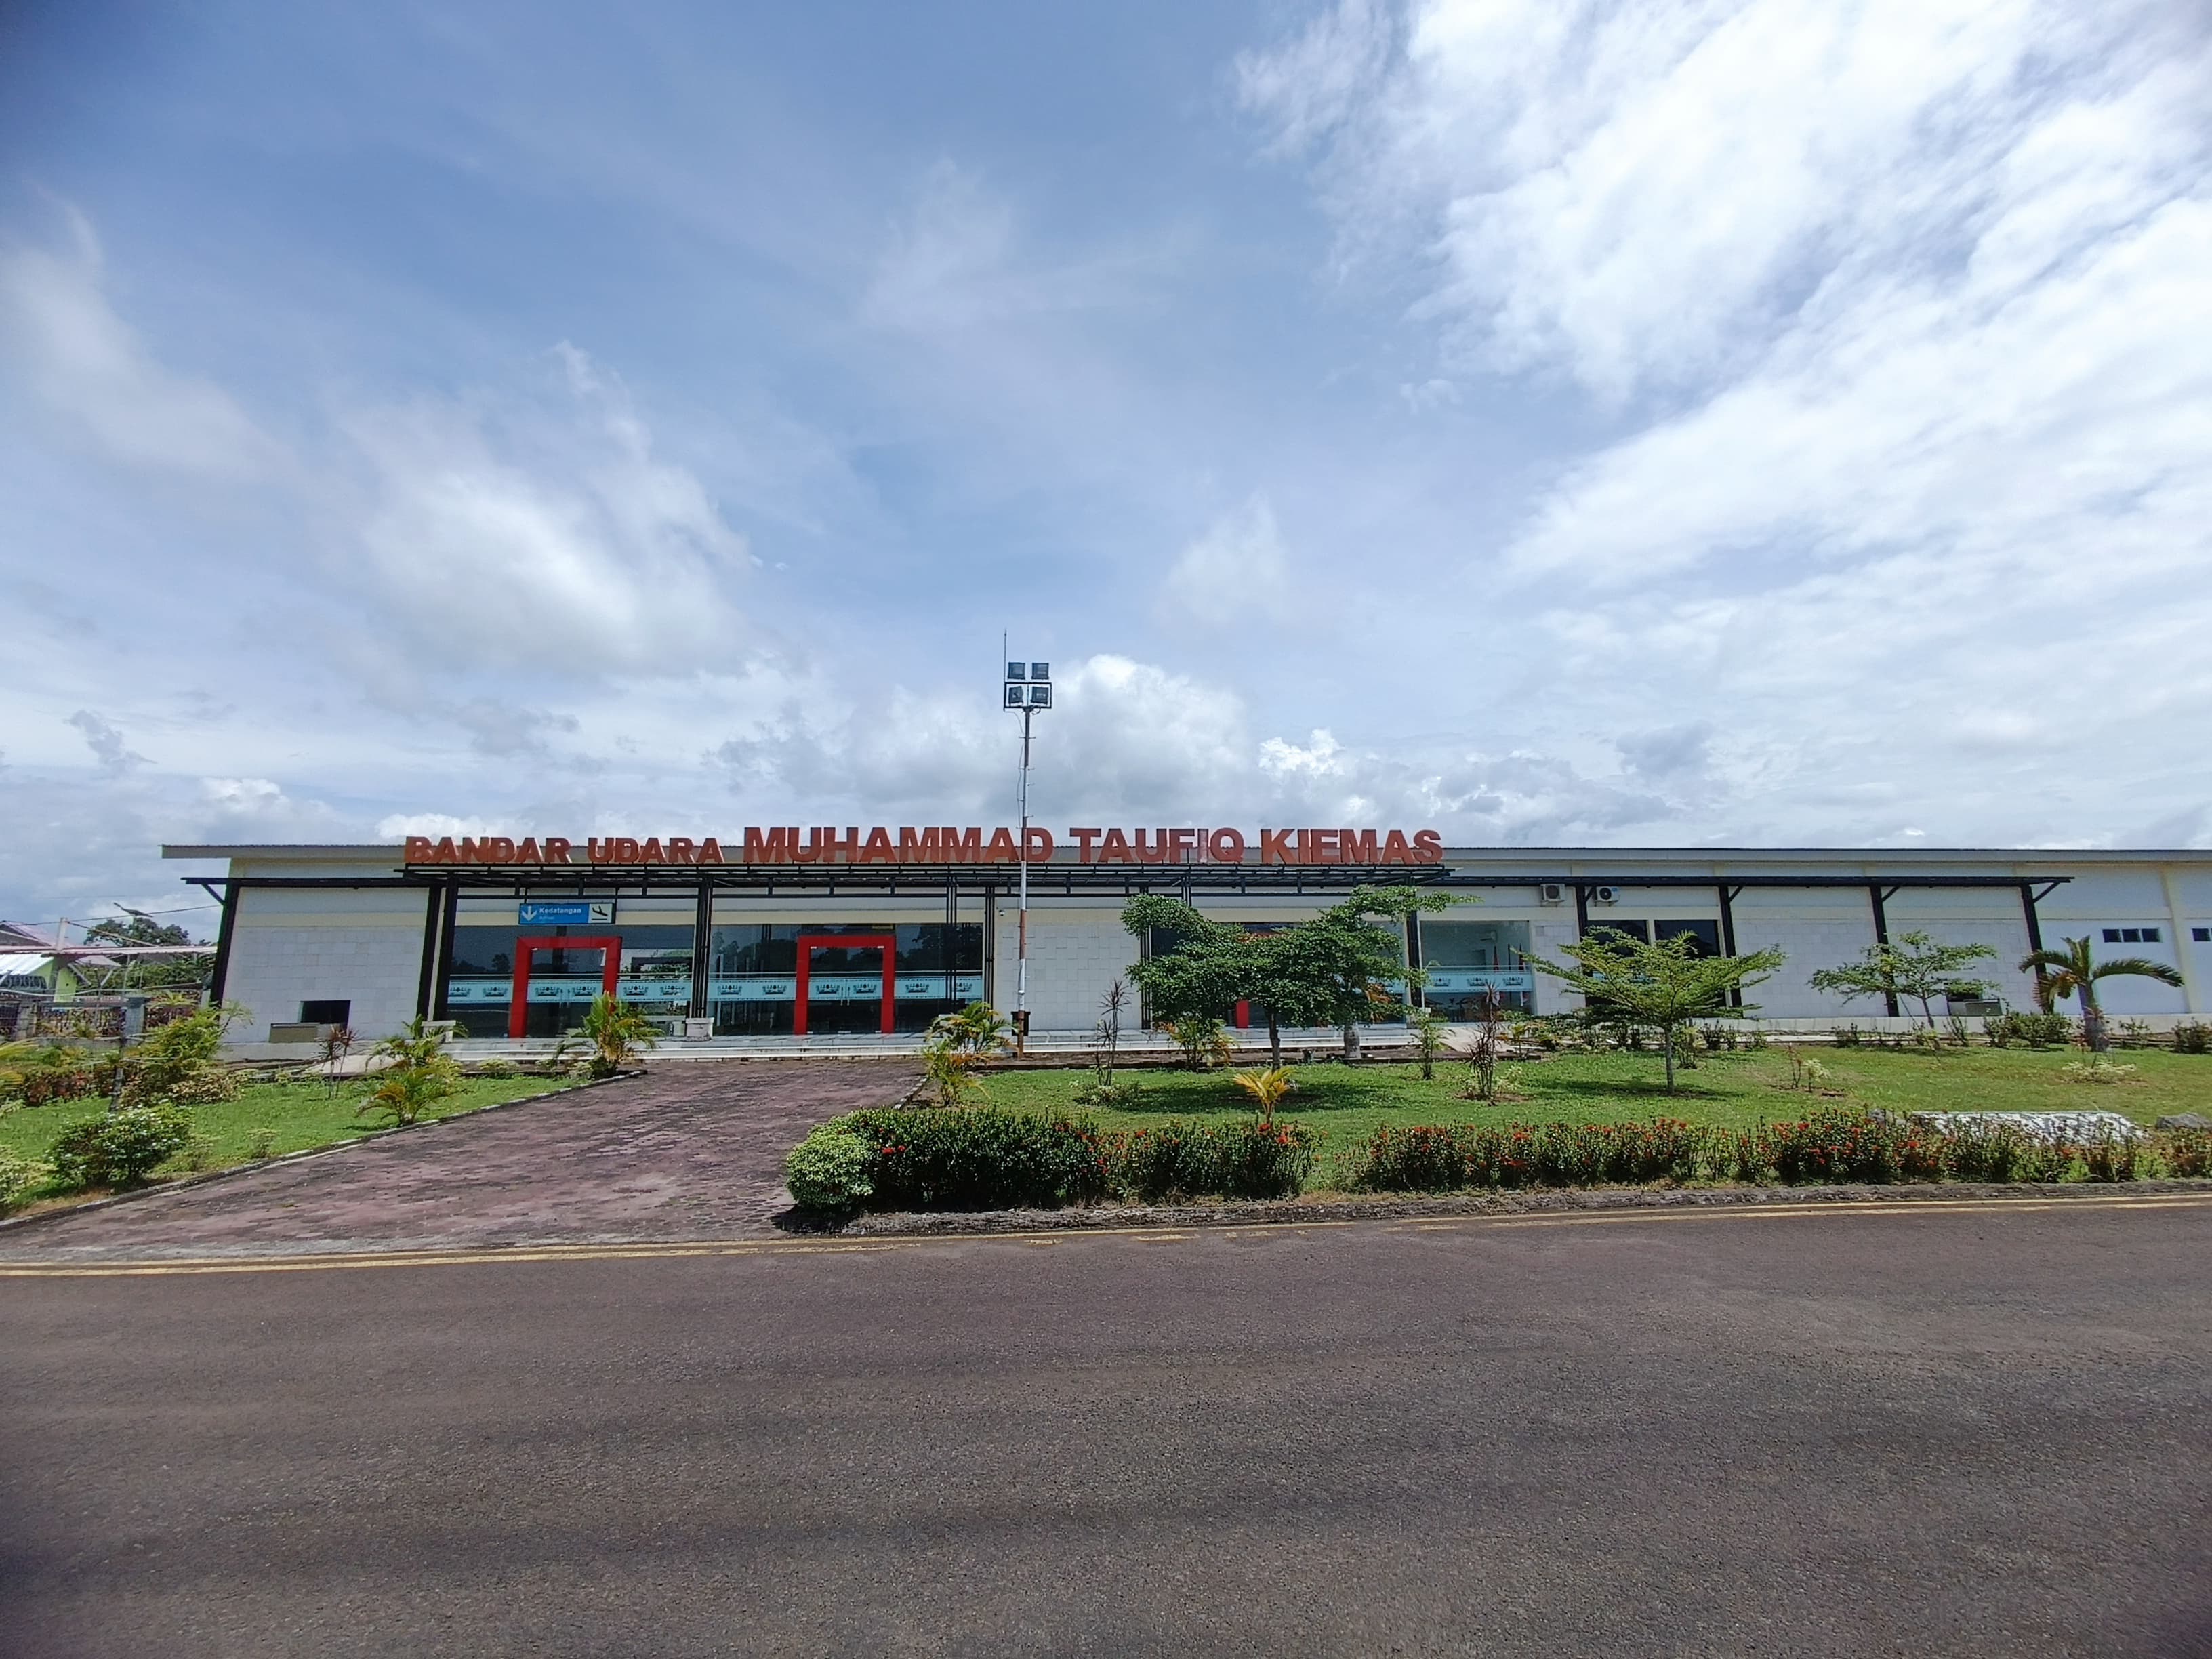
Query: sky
[{"x": 1744, "y": 422}]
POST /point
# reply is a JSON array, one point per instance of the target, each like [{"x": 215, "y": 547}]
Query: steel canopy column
[
  {"x": 1728, "y": 936},
  {"x": 219, "y": 976},
  {"x": 702, "y": 935},
  {"x": 426, "y": 987},
  {"x": 1880, "y": 902}
]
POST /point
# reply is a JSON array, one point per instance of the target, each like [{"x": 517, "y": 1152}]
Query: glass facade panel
[
  {"x": 753, "y": 987},
  {"x": 1707, "y": 933},
  {"x": 654, "y": 971},
  {"x": 1465, "y": 960}
]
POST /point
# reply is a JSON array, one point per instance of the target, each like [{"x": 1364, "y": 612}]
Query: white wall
[
  {"x": 1968, "y": 915},
  {"x": 2126, "y": 897},
  {"x": 304, "y": 945},
  {"x": 1813, "y": 927},
  {"x": 1076, "y": 951}
]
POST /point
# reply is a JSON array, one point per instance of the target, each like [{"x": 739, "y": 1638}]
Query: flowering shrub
[
  {"x": 1837, "y": 1146},
  {"x": 1252, "y": 1159},
  {"x": 2186, "y": 1151},
  {"x": 20, "y": 1177},
  {"x": 979, "y": 1159},
  {"x": 56, "y": 1073},
  {"x": 988, "y": 1159},
  {"x": 1450, "y": 1157},
  {"x": 1825, "y": 1147}
]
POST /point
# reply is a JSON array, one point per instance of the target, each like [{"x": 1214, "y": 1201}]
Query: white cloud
[
  {"x": 508, "y": 532},
  {"x": 1131, "y": 743},
  {"x": 956, "y": 262},
  {"x": 396, "y": 826},
  {"x": 1236, "y": 570},
  {"x": 61, "y": 334},
  {"x": 1897, "y": 310}
]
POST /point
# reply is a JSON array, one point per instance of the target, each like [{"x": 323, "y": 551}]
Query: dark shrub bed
[
  {"x": 986, "y": 1159},
  {"x": 1225, "y": 1160},
  {"x": 979, "y": 1159}
]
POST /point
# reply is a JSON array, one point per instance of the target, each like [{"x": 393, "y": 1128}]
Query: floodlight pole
[
  {"x": 1022, "y": 912},
  {"x": 1028, "y": 687}
]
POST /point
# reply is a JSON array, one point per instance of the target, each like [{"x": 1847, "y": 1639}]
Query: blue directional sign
[{"x": 565, "y": 912}]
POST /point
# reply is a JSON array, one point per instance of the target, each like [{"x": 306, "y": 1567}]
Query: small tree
[
  {"x": 2074, "y": 972},
  {"x": 1110, "y": 1007},
  {"x": 956, "y": 1044},
  {"x": 619, "y": 1032},
  {"x": 336, "y": 1047},
  {"x": 148, "y": 972},
  {"x": 1910, "y": 965},
  {"x": 1489, "y": 1036},
  {"x": 1625, "y": 978},
  {"x": 177, "y": 1062},
  {"x": 416, "y": 1075},
  {"x": 1328, "y": 970},
  {"x": 1201, "y": 1038},
  {"x": 1429, "y": 1028}
]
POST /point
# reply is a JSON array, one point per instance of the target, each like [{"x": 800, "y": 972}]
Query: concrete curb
[
  {"x": 1282, "y": 1211},
  {"x": 182, "y": 1182}
]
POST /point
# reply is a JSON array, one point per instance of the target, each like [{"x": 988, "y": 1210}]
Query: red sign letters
[{"x": 783, "y": 845}]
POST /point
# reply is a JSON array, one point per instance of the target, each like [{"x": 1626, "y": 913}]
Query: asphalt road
[{"x": 1945, "y": 1430}]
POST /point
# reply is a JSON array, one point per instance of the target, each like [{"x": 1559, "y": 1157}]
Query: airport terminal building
[{"x": 786, "y": 932}]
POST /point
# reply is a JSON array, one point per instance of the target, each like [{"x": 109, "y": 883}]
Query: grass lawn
[
  {"x": 303, "y": 1116},
  {"x": 1348, "y": 1103}
]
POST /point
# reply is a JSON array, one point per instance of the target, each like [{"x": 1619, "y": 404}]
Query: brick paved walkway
[{"x": 692, "y": 1151}]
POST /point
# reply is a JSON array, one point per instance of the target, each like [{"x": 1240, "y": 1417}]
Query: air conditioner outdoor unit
[
  {"x": 1606, "y": 895},
  {"x": 1551, "y": 893}
]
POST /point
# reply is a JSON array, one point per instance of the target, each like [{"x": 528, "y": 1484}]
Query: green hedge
[
  {"x": 1824, "y": 1148},
  {"x": 989, "y": 1158}
]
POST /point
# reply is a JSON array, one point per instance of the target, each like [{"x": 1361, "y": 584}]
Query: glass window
[
  {"x": 753, "y": 987},
  {"x": 654, "y": 970},
  {"x": 1466, "y": 961},
  {"x": 1707, "y": 933}
]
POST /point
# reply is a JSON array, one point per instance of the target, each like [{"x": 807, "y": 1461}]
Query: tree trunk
[
  {"x": 1928, "y": 1013},
  {"x": 2093, "y": 1020},
  {"x": 1667, "y": 1036},
  {"x": 1274, "y": 1042}
]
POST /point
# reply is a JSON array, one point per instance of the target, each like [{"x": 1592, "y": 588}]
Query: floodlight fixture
[
  {"x": 1040, "y": 697},
  {"x": 1017, "y": 670}
]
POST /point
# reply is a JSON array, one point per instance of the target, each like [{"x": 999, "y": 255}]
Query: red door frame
[
  {"x": 810, "y": 943},
  {"x": 518, "y": 1013}
]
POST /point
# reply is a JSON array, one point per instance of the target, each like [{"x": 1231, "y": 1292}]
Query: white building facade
[{"x": 761, "y": 941}]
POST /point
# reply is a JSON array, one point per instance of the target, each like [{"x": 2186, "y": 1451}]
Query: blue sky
[{"x": 1738, "y": 423}]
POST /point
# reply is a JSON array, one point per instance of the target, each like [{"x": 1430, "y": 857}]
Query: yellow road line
[{"x": 680, "y": 1249}]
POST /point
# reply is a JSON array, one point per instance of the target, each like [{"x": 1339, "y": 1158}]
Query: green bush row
[
  {"x": 1825, "y": 1147},
  {"x": 987, "y": 1158}
]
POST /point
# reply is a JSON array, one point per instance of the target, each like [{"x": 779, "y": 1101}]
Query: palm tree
[{"x": 2073, "y": 972}]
